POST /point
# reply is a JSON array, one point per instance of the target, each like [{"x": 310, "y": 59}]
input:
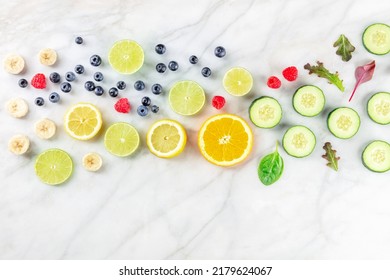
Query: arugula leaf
[
  {"x": 322, "y": 72},
  {"x": 330, "y": 156},
  {"x": 271, "y": 167},
  {"x": 345, "y": 48}
]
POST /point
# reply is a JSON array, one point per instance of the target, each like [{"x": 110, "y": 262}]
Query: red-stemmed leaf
[{"x": 363, "y": 74}]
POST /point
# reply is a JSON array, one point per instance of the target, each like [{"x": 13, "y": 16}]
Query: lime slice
[
  {"x": 121, "y": 139},
  {"x": 238, "y": 81},
  {"x": 186, "y": 98},
  {"x": 126, "y": 56},
  {"x": 53, "y": 166}
]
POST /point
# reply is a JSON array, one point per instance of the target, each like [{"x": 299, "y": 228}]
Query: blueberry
[
  {"x": 160, "y": 49},
  {"x": 113, "y": 92},
  {"x": 193, "y": 59},
  {"x": 146, "y": 101},
  {"x": 70, "y": 76},
  {"x": 139, "y": 85},
  {"x": 99, "y": 90},
  {"x": 173, "y": 66},
  {"x": 95, "y": 60},
  {"x": 54, "y": 97},
  {"x": 161, "y": 68},
  {"x": 98, "y": 76},
  {"x": 23, "y": 83},
  {"x": 39, "y": 101},
  {"x": 121, "y": 85},
  {"x": 79, "y": 69},
  {"x": 66, "y": 87},
  {"x": 206, "y": 72},
  {"x": 220, "y": 51},
  {"x": 55, "y": 77},
  {"x": 154, "y": 108},
  {"x": 156, "y": 89},
  {"x": 142, "y": 110},
  {"x": 89, "y": 85},
  {"x": 78, "y": 40}
]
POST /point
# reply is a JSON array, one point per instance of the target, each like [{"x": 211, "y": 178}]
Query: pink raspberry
[
  {"x": 218, "y": 102},
  {"x": 274, "y": 82},
  {"x": 39, "y": 81},
  {"x": 122, "y": 105},
  {"x": 290, "y": 73}
]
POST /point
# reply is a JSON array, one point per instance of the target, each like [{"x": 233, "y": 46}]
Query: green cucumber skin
[
  {"x": 315, "y": 143},
  {"x": 368, "y": 113},
  {"x": 327, "y": 122},
  {"x": 253, "y": 103},
  {"x": 365, "y": 44},
  {"x": 297, "y": 91},
  {"x": 364, "y": 163}
]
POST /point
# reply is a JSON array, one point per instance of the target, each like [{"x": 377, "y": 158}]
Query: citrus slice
[
  {"x": 126, "y": 56},
  {"x": 186, "y": 98},
  {"x": 166, "y": 138},
  {"x": 225, "y": 139},
  {"x": 238, "y": 81},
  {"x": 53, "y": 166},
  {"x": 121, "y": 139},
  {"x": 83, "y": 121}
]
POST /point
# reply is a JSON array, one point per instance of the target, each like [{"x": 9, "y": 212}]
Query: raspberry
[
  {"x": 290, "y": 73},
  {"x": 218, "y": 102},
  {"x": 274, "y": 82},
  {"x": 39, "y": 81},
  {"x": 122, "y": 105}
]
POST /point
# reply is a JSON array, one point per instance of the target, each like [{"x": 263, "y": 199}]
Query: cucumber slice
[
  {"x": 343, "y": 122},
  {"x": 376, "y": 156},
  {"x": 299, "y": 141},
  {"x": 308, "y": 101},
  {"x": 265, "y": 112},
  {"x": 376, "y": 38},
  {"x": 378, "y": 107}
]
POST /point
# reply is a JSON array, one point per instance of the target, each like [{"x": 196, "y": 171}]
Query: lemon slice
[
  {"x": 238, "y": 81},
  {"x": 53, "y": 166},
  {"x": 121, "y": 139},
  {"x": 186, "y": 98},
  {"x": 126, "y": 56},
  {"x": 83, "y": 121},
  {"x": 166, "y": 138}
]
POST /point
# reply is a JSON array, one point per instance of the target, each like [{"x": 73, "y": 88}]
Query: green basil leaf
[{"x": 271, "y": 168}]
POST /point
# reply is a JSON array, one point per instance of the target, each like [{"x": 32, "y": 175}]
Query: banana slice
[
  {"x": 92, "y": 162},
  {"x": 14, "y": 64},
  {"x": 45, "y": 128},
  {"x": 17, "y": 107},
  {"x": 18, "y": 144},
  {"x": 47, "y": 56}
]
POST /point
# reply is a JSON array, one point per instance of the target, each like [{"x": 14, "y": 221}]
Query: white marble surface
[{"x": 143, "y": 207}]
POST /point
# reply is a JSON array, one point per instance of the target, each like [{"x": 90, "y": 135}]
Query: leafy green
[
  {"x": 345, "y": 48},
  {"x": 322, "y": 72},
  {"x": 330, "y": 156},
  {"x": 271, "y": 167}
]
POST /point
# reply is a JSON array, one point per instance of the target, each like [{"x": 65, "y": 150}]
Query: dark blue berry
[
  {"x": 160, "y": 49},
  {"x": 121, "y": 85},
  {"x": 157, "y": 89},
  {"x": 95, "y": 60},
  {"x": 173, "y": 66},
  {"x": 98, "y": 76},
  {"x": 154, "y": 108},
  {"x": 206, "y": 72},
  {"x": 70, "y": 76},
  {"x": 79, "y": 69},
  {"x": 220, "y": 51},
  {"x": 193, "y": 59},
  {"x": 89, "y": 85},
  {"x": 146, "y": 101},
  {"x": 78, "y": 40},
  {"x": 139, "y": 85},
  {"x": 65, "y": 87},
  {"x": 161, "y": 68},
  {"x": 142, "y": 110},
  {"x": 23, "y": 83},
  {"x": 55, "y": 77},
  {"x": 54, "y": 97},
  {"x": 113, "y": 92},
  {"x": 99, "y": 90},
  {"x": 39, "y": 101}
]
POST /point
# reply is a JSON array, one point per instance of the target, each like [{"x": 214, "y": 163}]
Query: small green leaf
[
  {"x": 271, "y": 168},
  {"x": 330, "y": 156},
  {"x": 345, "y": 48},
  {"x": 321, "y": 71}
]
